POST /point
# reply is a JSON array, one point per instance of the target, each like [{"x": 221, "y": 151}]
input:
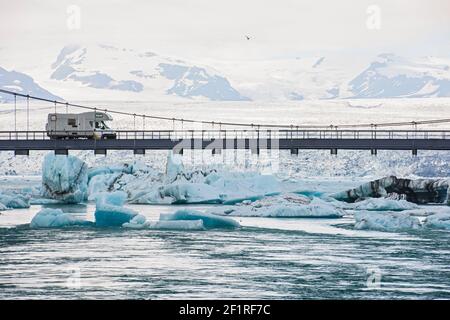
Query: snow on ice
[{"x": 64, "y": 178}]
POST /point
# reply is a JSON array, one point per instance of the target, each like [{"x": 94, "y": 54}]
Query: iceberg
[
  {"x": 145, "y": 185},
  {"x": 174, "y": 167},
  {"x": 140, "y": 222},
  {"x": 210, "y": 221},
  {"x": 13, "y": 200},
  {"x": 420, "y": 191},
  {"x": 385, "y": 221},
  {"x": 382, "y": 204},
  {"x": 192, "y": 193},
  {"x": 64, "y": 178},
  {"x": 283, "y": 206},
  {"x": 438, "y": 221},
  {"x": 109, "y": 210},
  {"x": 56, "y": 218}
]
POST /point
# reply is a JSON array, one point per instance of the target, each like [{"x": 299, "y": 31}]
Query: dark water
[{"x": 267, "y": 258}]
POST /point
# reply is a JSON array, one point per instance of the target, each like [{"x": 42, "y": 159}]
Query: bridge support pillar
[
  {"x": 139, "y": 151},
  {"x": 63, "y": 152},
  {"x": 21, "y": 152},
  {"x": 414, "y": 152},
  {"x": 100, "y": 152},
  {"x": 373, "y": 152},
  {"x": 333, "y": 151},
  {"x": 294, "y": 151}
]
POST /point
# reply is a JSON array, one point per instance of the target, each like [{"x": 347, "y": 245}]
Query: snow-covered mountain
[
  {"x": 391, "y": 76},
  {"x": 21, "y": 83},
  {"x": 147, "y": 74},
  {"x": 110, "y": 73},
  {"x": 330, "y": 77}
]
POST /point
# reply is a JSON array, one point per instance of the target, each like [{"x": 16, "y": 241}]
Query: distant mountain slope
[
  {"x": 21, "y": 83},
  {"x": 120, "y": 69},
  {"x": 392, "y": 76}
]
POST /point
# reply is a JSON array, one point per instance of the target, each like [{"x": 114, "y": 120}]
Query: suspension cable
[{"x": 286, "y": 126}]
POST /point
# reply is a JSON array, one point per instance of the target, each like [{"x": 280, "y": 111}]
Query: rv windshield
[{"x": 101, "y": 125}]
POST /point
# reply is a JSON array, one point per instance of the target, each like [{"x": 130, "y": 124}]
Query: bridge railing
[{"x": 246, "y": 134}]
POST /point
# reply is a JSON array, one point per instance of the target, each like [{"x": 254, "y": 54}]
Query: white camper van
[{"x": 90, "y": 125}]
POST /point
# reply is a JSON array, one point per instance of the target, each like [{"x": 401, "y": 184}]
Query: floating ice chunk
[
  {"x": 285, "y": 205},
  {"x": 109, "y": 210},
  {"x": 192, "y": 193},
  {"x": 140, "y": 222},
  {"x": 64, "y": 178},
  {"x": 56, "y": 218},
  {"x": 34, "y": 201},
  {"x": 210, "y": 221},
  {"x": 237, "y": 187},
  {"x": 382, "y": 204},
  {"x": 385, "y": 221},
  {"x": 438, "y": 221},
  {"x": 14, "y": 200},
  {"x": 420, "y": 191}
]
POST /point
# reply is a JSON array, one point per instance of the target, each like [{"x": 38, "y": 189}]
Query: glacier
[
  {"x": 109, "y": 210},
  {"x": 385, "y": 221},
  {"x": 56, "y": 218},
  {"x": 285, "y": 205},
  {"x": 64, "y": 178}
]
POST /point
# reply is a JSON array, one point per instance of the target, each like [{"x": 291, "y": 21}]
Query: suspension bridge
[{"x": 230, "y": 135}]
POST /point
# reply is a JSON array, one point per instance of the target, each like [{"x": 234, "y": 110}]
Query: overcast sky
[{"x": 212, "y": 29}]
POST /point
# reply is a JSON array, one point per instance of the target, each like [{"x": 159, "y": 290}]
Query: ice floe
[
  {"x": 64, "y": 178},
  {"x": 140, "y": 222},
  {"x": 383, "y": 204},
  {"x": 56, "y": 218},
  {"x": 385, "y": 221},
  {"x": 210, "y": 221},
  {"x": 13, "y": 200},
  {"x": 438, "y": 221},
  {"x": 284, "y": 205},
  {"x": 109, "y": 209}
]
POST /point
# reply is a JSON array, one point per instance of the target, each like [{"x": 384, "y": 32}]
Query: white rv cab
[{"x": 79, "y": 125}]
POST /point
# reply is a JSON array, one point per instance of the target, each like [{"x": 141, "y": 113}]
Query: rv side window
[{"x": 72, "y": 122}]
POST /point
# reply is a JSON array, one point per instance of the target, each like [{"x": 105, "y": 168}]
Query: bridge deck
[{"x": 236, "y": 139}]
